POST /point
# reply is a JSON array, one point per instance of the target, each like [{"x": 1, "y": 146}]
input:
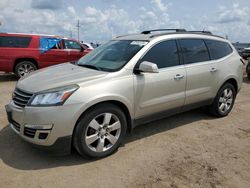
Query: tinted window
[
  {"x": 218, "y": 49},
  {"x": 164, "y": 54},
  {"x": 15, "y": 42},
  {"x": 72, "y": 45},
  {"x": 194, "y": 50}
]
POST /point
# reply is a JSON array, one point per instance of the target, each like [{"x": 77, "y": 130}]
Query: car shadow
[
  {"x": 7, "y": 77},
  {"x": 21, "y": 155}
]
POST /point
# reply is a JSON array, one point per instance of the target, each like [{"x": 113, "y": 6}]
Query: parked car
[
  {"x": 248, "y": 69},
  {"x": 87, "y": 45},
  {"x": 24, "y": 53},
  {"x": 126, "y": 82},
  {"x": 245, "y": 53}
]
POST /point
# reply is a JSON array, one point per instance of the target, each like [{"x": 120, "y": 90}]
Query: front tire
[
  {"x": 224, "y": 101},
  {"x": 100, "y": 131},
  {"x": 23, "y": 68}
]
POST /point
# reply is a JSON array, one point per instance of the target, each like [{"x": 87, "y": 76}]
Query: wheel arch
[
  {"x": 117, "y": 103},
  {"x": 19, "y": 60},
  {"x": 232, "y": 81}
]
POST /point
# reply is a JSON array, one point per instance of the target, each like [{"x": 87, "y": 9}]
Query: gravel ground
[{"x": 192, "y": 149}]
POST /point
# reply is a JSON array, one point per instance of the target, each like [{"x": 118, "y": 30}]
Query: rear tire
[
  {"x": 224, "y": 101},
  {"x": 23, "y": 68},
  {"x": 100, "y": 131}
]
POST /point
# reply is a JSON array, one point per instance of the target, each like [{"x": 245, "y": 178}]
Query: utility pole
[
  {"x": 78, "y": 29},
  {"x": 71, "y": 33}
]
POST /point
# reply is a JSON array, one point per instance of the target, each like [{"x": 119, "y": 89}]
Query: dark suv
[{"x": 24, "y": 53}]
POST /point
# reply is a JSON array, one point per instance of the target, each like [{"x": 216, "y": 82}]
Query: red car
[{"x": 24, "y": 53}]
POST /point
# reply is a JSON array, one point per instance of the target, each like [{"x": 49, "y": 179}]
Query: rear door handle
[
  {"x": 213, "y": 70},
  {"x": 178, "y": 76}
]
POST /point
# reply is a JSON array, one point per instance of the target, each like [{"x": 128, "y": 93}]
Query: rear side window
[
  {"x": 164, "y": 54},
  {"x": 194, "y": 50},
  {"x": 15, "y": 42},
  {"x": 218, "y": 49}
]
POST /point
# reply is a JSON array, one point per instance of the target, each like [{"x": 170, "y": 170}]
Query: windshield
[{"x": 111, "y": 56}]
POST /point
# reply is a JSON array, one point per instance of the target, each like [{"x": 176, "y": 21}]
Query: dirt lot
[{"x": 187, "y": 150}]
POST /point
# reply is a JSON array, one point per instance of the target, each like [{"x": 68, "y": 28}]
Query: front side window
[
  {"x": 194, "y": 50},
  {"x": 69, "y": 44},
  {"x": 14, "y": 42},
  {"x": 163, "y": 54},
  {"x": 218, "y": 49},
  {"x": 112, "y": 56}
]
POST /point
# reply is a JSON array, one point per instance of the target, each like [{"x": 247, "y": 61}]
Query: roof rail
[
  {"x": 155, "y": 30},
  {"x": 206, "y": 32}
]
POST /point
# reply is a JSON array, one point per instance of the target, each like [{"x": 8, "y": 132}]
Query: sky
[{"x": 101, "y": 20}]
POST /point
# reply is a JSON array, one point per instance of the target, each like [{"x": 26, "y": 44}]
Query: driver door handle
[
  {"x": 213, "y": 69},
  {"x": 178, "y": 76}
]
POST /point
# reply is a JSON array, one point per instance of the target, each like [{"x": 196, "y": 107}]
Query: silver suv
[{"x": 128, "y": 81}]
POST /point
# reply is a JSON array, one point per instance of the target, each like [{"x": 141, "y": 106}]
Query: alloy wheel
[
  {"x": 25, "y": 69},
  {"x": 226, "y": 100},
  {"x": 103, "y": 132}
]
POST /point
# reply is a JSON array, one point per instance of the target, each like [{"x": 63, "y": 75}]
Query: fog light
[
  {"x": 43, "y": 136},
  {"x": 40, "y": 127}
]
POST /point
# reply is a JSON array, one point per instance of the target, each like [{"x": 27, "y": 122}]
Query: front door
[
  {"x": 74, "y": 50},
  {"x": 163, "y": 91}
]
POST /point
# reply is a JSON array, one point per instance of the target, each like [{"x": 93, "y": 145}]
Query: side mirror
[
  {"x": 82, "y": 49},
  {"x": 148, "y": 67}
]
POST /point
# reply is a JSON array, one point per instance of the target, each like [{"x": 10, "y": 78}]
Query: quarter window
[
  {"x": 194, "y": 50},
  {"x": 164, "y": 54},
  {"x": 15, "y": 42},
  {"x": 218, "y": 49}
]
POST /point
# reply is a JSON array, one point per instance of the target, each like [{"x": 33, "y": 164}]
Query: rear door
[
  {"x": 201, "y": 72},
  {"x": 51, "y": 52},
  {"x": 163, "y": 91}
]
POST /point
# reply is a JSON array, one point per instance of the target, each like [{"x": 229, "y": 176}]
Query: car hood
[{"x": 57, "y": 76}]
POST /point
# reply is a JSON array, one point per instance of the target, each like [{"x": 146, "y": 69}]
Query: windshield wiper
[{"x": 89, "y": 66}]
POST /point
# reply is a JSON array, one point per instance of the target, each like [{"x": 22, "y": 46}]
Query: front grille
[
  {"x": 29, "y": 132},
  {"x": 16, "y": 125},
  {"x": 21, "y": 98}
]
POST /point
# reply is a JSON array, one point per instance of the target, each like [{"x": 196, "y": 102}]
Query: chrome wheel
[
  {"x": 226, "y": 100},
  {"x": 25, "y": 69},
  {"x": 103, "y": 132}
]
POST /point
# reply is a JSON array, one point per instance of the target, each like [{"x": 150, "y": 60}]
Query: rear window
[
  {"x": 194, "y": 50},
  {"x": 14, "y": 42},
  {"x": 218, "y": 49}
]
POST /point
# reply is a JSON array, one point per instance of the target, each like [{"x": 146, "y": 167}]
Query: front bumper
[{"x": 46, "y": 127}]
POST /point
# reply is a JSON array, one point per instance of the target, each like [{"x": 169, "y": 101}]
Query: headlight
[{"x": 53, "y": 97}]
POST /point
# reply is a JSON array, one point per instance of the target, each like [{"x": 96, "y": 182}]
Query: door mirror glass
[{"x": 149, "y": 67}]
